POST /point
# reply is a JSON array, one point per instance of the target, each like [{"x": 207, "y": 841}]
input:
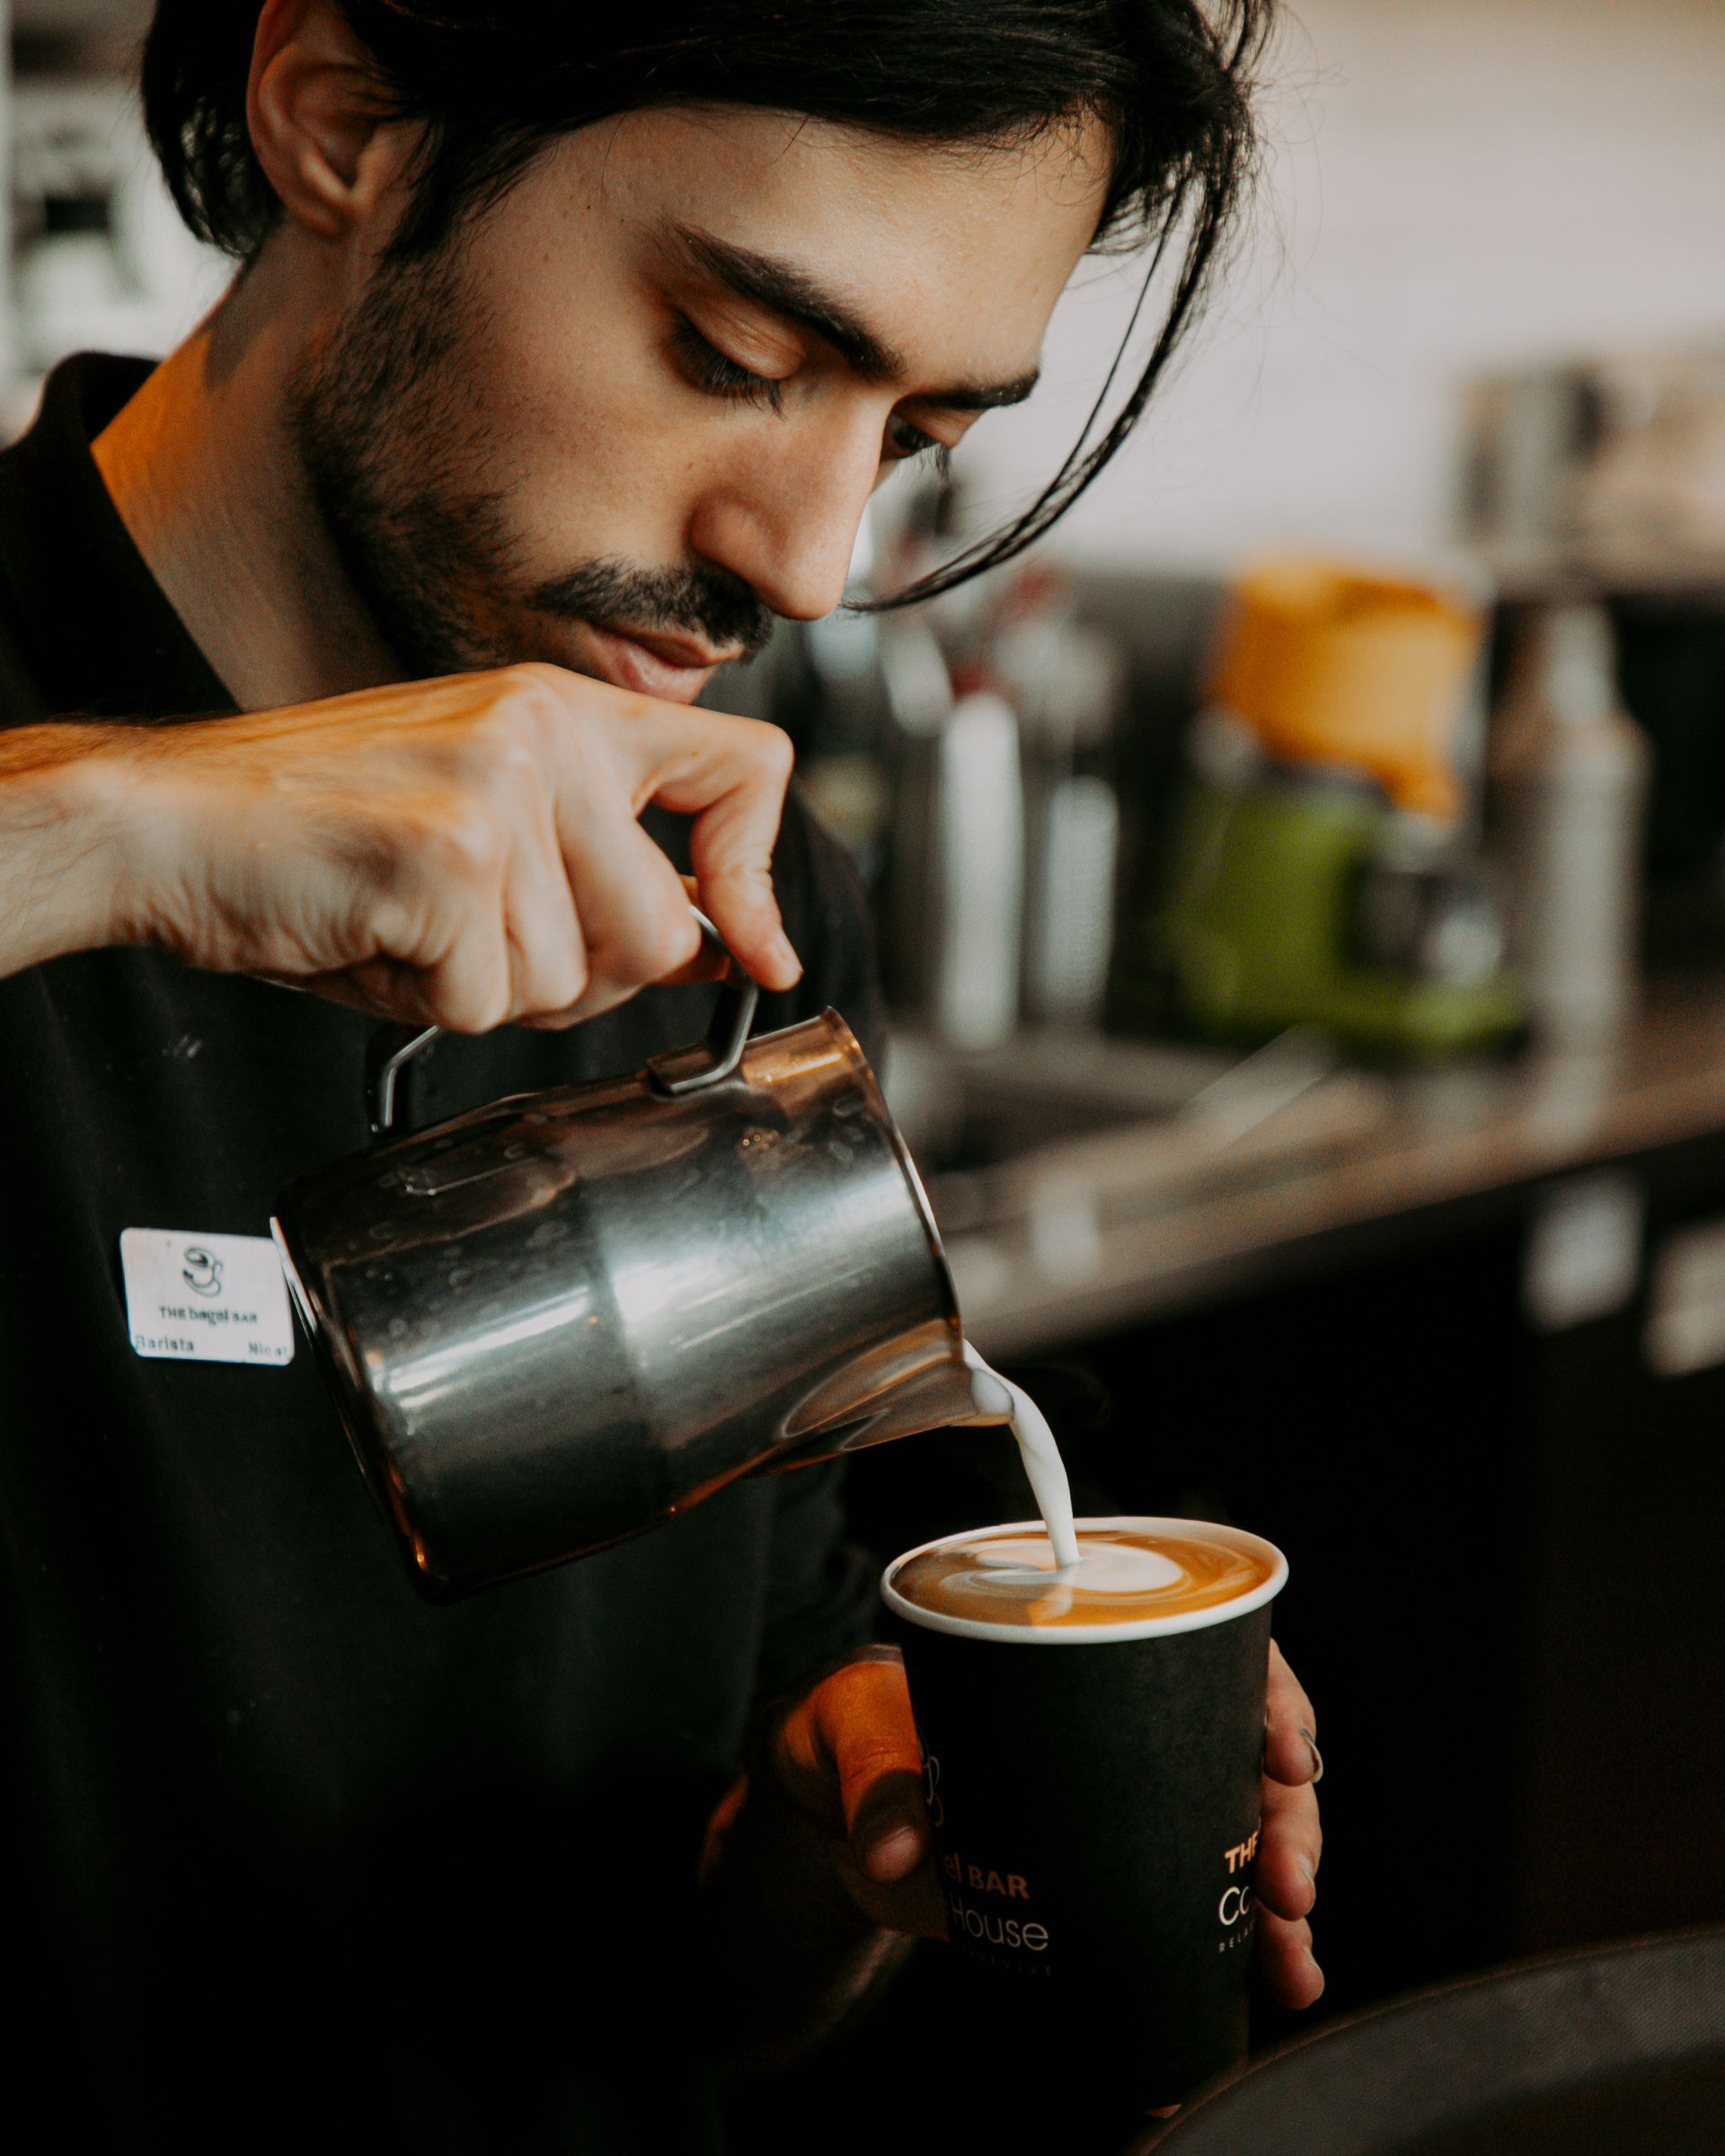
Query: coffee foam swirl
[{"x": 1123, "y": 1576}]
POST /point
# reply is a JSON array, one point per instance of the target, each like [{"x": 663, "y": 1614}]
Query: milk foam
[{"x": 1020, "y": 1560}]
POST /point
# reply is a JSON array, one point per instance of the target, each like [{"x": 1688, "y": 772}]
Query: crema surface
[{"x": 1122, "y": 1576}]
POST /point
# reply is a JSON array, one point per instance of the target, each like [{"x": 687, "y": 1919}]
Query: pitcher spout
[{"x": 949, "y": 1391}]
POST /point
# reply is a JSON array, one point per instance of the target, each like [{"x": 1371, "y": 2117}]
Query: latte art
[{"x": 1123, "y": 1576}]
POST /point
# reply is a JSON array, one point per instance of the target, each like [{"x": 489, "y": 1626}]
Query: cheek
[{"x": 586, "y": 429}]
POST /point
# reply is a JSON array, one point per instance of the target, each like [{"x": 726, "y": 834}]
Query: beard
[{"x": 391, "y": 448}]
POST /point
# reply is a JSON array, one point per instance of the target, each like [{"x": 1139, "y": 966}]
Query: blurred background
[{"x": 1301, "y": 885}]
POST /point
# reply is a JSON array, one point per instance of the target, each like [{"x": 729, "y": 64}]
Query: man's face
[{"x": 637, "y": 410}]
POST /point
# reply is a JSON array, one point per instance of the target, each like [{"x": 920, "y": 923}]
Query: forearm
[
  {"x": 789, "y": 1955},
  {"x": 62, "y": 824}
]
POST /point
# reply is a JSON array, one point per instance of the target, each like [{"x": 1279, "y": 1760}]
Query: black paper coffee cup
[{"x": 1093, "y": 1793}]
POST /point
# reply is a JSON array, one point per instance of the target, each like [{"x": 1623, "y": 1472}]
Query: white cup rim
[{"x": 1094, "y": 1635}]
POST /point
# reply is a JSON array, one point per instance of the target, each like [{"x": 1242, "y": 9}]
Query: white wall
[{"x": 1455, "y": 185}]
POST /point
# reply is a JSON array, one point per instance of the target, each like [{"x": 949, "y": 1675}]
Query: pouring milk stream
[
  {"x": 1108, "y": 1567},
  {"x": 1041, "y": 1456}
]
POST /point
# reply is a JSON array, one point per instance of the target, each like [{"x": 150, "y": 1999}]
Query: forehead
[{"x": 955, "y": 252}]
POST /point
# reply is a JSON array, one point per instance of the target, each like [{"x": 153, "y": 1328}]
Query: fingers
[
  {"x": 534, "y": 894},
  {"x": 465, "y": 852},
  {"x": 864, "y": 1720},
  {"x": 846, "y": 1757},
  {"x": 1290, "y": 1849},
  {"x": 1286, "y": 1881},
  {"x": 730, "y": 775},
  {"x": 634, "y": 915},
  {"x": 1285, "y": 1960},
  {"x": 849, "y": 1755},
  {"x": 708, "y": 962},
  {"x": 595, "y": 910},
  {"x": 547, "y": 948},
  {"x": 503, "y": 940},
  {"x": 1290, "y": 1726},
  {"x": 1291, "y": 1846}
]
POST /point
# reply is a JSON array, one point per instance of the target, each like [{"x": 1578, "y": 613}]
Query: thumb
[
  {"x": 872, "y": 1739},
  {"x": 890, "y": 1830}
]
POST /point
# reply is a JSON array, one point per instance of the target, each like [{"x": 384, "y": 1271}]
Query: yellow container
[{"x": 1333, "y": 665}]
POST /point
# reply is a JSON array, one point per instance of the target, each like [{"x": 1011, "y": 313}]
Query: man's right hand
[{"x": 460, "y": 853}]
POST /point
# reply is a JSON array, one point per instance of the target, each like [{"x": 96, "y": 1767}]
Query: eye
[
  {"x": 905, "y": 442},
  {"x": 714, "y": 373}
]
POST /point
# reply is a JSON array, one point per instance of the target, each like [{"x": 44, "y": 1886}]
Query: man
[{"x": 354, "y": 648}]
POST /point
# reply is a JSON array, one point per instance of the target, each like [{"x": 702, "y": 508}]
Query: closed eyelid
[
  {"x": 723, "y": 372},
  {"x": 787, "y": 300},
  {"x": 745, "y": 342},
  {"x": 939, "y": 423},
  {"x": 708, "y": 369}
]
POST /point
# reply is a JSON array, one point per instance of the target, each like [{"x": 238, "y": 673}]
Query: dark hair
[{"x": 1172, "y": 80}]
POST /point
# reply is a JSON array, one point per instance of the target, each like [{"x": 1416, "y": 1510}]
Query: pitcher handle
[
  {"x": 392, "y": 1047},
  {"x": 388, "y": 1053}
]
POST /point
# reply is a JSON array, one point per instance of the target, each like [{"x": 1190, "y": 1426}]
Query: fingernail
[
  {"x": 1318, "y": 1756},
  {"x": 787, "y": 956},
  {"x": 1307, "y": 1874},
  {"x": 895, "y": 1854}
]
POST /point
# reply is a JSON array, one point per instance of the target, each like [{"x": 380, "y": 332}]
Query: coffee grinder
[{"x": 1321, "y": 871}]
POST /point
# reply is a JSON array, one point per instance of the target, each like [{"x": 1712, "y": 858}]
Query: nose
[{"x": 786, "y": 522}]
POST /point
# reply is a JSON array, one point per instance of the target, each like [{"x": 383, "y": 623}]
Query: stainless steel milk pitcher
[{"x": 552, "y": 1322}]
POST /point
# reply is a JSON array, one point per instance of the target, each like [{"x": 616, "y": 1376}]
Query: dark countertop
[{"x": 1141, "y": 1220}]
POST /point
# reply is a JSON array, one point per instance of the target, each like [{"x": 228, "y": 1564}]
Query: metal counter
[{"x": 1083, "y": 1186}]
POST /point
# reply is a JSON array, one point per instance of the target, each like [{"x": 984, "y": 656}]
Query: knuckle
[
  {"x": 531, "y": 677},
  {"x": 653, "y": 940},
  {"x": 775, "y": 750},
  {"x": 533, "y": 688},
  {"x": 868, "y": 1759},
  {"x": 674, "y": 940},
  {"x": 500, "y": 747},
  {"x": 372, "y": 855},
  {"x": 467, "y": 841}
]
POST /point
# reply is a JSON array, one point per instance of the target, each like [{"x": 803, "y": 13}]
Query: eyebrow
[{"x": 789, "y": 291}]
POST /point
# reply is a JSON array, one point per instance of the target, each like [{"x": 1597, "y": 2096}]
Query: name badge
[{"x": 193, "y": 1298}]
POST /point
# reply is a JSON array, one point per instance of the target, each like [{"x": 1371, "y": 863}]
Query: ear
[{"x": 312, "y": 111}]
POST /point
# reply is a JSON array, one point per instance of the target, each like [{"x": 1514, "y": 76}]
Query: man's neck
[{"x": 202, "y": 467}]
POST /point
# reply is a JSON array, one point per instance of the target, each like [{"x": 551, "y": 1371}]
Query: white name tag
[{"x": 206, "y": 1298}]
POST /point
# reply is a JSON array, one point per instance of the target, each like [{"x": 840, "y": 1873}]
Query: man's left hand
[{"x": 847, "y": 1758}]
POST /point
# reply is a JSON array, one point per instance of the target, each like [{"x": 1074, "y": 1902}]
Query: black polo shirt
[{"x": 289, "y": 1852}]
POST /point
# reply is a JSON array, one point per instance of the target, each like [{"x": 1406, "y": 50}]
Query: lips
[{"x": 652, "y": 665}]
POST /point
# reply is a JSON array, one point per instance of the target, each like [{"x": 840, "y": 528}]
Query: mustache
[{"x": 699, "y": 600}]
